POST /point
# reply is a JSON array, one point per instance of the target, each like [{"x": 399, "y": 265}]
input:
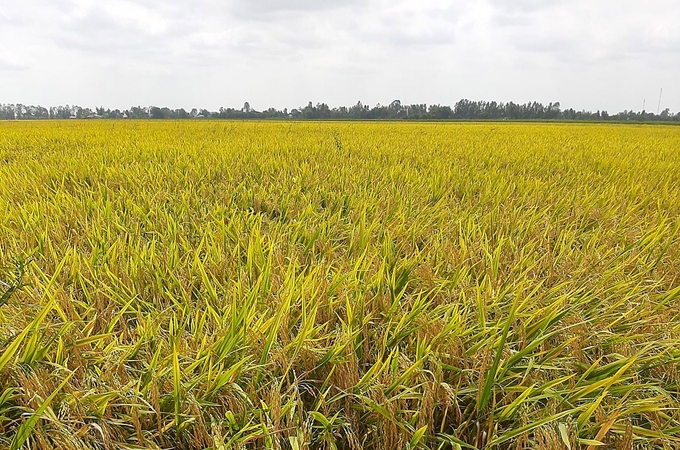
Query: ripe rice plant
[{"x": 239, "y": 285}]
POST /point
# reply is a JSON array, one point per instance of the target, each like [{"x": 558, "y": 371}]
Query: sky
[{"x": 587, "y": 54}]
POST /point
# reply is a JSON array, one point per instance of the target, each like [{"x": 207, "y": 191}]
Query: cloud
[
  {"x": 9, "y": 61},
  {"x": 578, "y": 32},
  {"x": 405, "y": 25},
  {"x": 286, "y": 52},
  {"x": 270, "y": 9},
  {"x": 664, "y": 37},
  {"x": 7, "y": 18},
  {"x": 525, "y": 6},
  {"x": 119, "y": 26}
]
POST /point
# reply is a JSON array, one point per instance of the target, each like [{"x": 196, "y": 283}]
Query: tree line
[{"x": 463, "y": 110}]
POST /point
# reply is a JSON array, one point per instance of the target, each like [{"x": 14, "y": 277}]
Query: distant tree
[
  {"x": 156, "y": 113},
  {"x": 137, "y": 112},
  {"x": 396, "y": 111},
  {"x": 358, "y": 111},
  {"x": 309, "y": 112},
  {"x": 323, "y": 111},
  {"x": 417, "y": 112},
  {"x": 462, "y": 110},
  {"x": 440, "y": 112},
  {"x": 553, "y": 111}
]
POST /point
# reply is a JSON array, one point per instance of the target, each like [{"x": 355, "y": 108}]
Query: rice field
[{"x": 278, "y": 285}]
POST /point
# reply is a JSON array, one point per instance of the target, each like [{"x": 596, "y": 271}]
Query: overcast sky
[{"x": 603, "y": 54}]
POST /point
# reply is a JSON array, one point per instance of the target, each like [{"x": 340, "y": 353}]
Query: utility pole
[{"x": 659, "y": 106}]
